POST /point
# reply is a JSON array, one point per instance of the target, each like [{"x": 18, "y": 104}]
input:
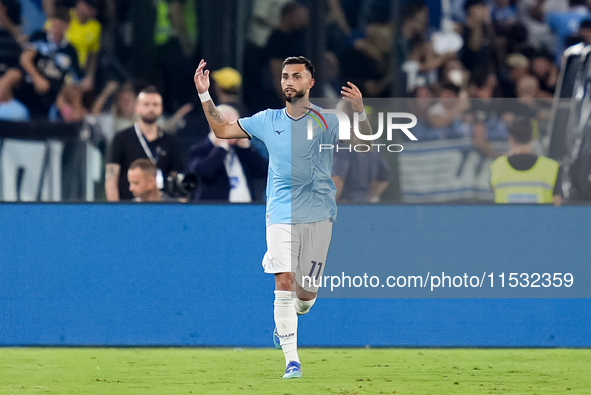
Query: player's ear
[{"x": 311, "y": 83}]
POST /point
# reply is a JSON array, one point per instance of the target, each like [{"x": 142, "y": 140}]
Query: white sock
[
  {"x": 286, "y": 322},
  {"x": 303, "y": 306}
]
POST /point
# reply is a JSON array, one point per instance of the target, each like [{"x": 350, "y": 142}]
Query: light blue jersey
[{"x": 299, "y": 184}]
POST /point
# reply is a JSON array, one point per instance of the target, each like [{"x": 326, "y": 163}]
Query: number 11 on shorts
[{"x": 314, "y": 263}]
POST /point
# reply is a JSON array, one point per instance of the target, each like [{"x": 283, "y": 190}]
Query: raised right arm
[{"x": 221, "y": 128}]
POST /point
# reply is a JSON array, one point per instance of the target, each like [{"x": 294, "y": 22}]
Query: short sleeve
[
  {"x": 254, "y": 126},
  {"x": 115, "y": 154}
]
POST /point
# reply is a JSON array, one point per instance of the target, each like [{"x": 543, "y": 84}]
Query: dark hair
[
  {"x": 62, "y": 14},
  {"x": 521, "y": 130},
  {"x": 150, "y": 90},
  {"x": 289, "y": 8},
  {"x": 448, "y": 86},
  {"x": 144, "y": 165},
  {"x": 470, "y": 3},
  {"x": 574, "y": 3},
  {"x": 479, "y": 77},
  {"x": 411, "y": 9},
  {"x": 585, "y": 24},
  {"x": 299, "y": 60}
]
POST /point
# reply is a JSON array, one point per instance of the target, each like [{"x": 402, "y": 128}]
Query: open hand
[
  {"x": 201, "y": 78},
  {"x": 352, "y": 94}
]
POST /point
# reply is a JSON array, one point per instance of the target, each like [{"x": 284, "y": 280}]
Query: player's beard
[
  {"x": 149, "y": 119},
  {"x": 298, "y": 95}
]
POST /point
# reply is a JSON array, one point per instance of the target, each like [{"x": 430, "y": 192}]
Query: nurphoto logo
[{"x": 345, "y": 129}]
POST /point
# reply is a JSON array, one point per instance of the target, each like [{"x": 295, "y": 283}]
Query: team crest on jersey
[{"x": 63, "y": 61}]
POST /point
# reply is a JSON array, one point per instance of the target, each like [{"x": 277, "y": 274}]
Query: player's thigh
[
  {"x": 282, "y": 249},
  {"x": 315, "y": 240}
]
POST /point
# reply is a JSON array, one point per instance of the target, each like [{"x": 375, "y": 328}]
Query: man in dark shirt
[
  {"x": 143, "y": 140},
  {"x": 478, "y": 36},
  {"x": 45, "y": 63}
]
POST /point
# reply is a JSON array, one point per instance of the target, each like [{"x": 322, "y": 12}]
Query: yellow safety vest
[
  {"x": 535, "y": 185},
  {"x": 163, "y": 29}
]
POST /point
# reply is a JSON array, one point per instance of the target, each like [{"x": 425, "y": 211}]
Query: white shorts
[{"x": 299, "y": 249}]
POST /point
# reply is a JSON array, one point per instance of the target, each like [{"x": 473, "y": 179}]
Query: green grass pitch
[{"x": 161, "y": 371}]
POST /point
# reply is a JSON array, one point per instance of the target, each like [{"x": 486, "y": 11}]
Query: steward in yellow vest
[{"x": 521, "y": 176}]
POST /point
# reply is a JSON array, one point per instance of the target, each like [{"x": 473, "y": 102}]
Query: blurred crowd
[{"x": 63, "y": 60}]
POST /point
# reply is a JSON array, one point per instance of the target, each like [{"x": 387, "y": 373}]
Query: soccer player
[{"x": 301, "y": 202}]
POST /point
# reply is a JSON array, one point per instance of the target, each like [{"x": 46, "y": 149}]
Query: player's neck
[
  {"x": 295, "y": 110},
  {"x": 149, "y": 130}
]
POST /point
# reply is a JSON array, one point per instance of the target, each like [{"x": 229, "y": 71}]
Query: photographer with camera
[
  {"x": 143, "y": 140},
  {"x": 227, "y": 168},
  {"x": 142, "y": 183}
]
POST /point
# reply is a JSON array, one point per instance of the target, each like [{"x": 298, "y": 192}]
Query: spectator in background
[
  {"x": 144, "y": 140},
  {"x": 516, "y": 67},
  {"x": 445, "y": 117},
  {"x": 521, "y": 176},
  {"x": 478, "y": 50},
  {"x": 10, "y": 51},
  {"x": 174, "y": 41},
  {"x": 485, "y": 113},
  {"x": 542, "y": 67},
  {"x": 366, "y": 62},
  {"x": 46, "y": 62},
  {"x": 10, "y": 21},
  {"x": 69, "y": 105},
  {"x": 10, "y": 108},
  {"x": 453, "y": 72},
  {"x": 585, "y": 31},
  {"x": 288, "y": 39},
  {"x": 227, "y": 85},
  {"x": 84, "y": 33},
  {"x": 360, "y": 177},
  {"x": 122, "y": 110},
  {"x": 227, "y": 167},
  {"x": 419, "y": 105},
  {"x": 566, "y": 24},
  {"x": 142, "y": 182},
  {"x": 532, "y": 14},
  {"x": 266, "y": 16}
]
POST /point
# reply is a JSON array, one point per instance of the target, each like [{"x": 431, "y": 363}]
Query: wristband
[
  {"x": 204, "y": 96},
  {"x": 362, "y": 116}
]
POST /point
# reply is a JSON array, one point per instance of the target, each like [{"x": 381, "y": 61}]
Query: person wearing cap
[
  {"x": 521, "y": 176},
  {"x": 84, "y": 34},
  {"x": 228, "y": 83}
]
